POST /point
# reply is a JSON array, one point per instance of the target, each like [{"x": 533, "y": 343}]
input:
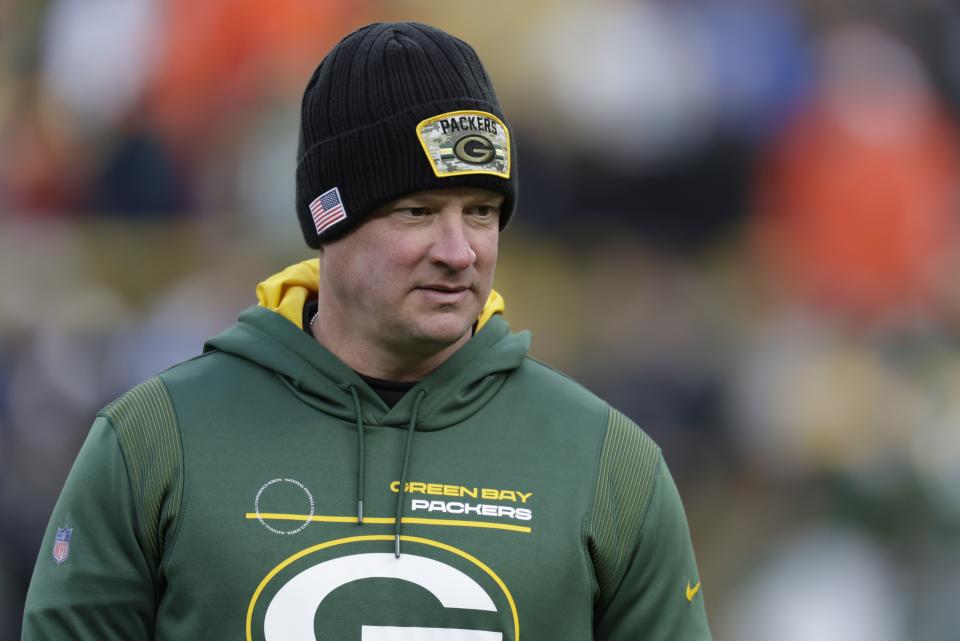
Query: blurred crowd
[{"x": 738, "y": 222}]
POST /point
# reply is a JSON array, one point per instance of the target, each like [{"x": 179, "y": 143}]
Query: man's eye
[
  {"x": 411, "y": 212},
  {"x": 484, "y": 211}
]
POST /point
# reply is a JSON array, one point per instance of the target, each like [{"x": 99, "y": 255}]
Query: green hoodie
[{"x": 221, "y": 500}]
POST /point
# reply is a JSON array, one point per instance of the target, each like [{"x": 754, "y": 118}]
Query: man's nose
[{"x": 451, "y": 245}]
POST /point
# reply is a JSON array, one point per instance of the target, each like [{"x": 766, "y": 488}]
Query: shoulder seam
[
  {"x": 566, "y": 377},
  {"x": 552, "y": 369}
]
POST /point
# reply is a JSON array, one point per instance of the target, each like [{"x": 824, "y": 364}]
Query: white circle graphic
[{"x": 256, "y": 506}]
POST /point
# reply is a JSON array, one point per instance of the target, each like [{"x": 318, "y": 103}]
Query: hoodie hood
[{"x": 270, "y": 334}]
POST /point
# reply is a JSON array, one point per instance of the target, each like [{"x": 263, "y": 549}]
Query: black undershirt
[{"x": 389, "y": 391}]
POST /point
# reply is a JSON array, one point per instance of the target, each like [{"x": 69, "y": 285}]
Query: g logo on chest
[
  {"x": 297, "y": 602},
  {"x": 291, "y": 613}
]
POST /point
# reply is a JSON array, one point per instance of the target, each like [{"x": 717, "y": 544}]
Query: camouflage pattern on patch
[{"x": 466, "y": 142}]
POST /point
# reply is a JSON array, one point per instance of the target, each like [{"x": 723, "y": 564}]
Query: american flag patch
[
  {"x": 327, "y": 210},
  {"x": 61, "y": 545}
]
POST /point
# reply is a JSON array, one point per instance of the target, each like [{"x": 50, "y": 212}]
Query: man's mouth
[
  {"x": 445, "y": 288},
  {"x": 444, "y": 294}
]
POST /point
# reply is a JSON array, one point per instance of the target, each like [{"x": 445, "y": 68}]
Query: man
[{"x": 369, "y": 453}]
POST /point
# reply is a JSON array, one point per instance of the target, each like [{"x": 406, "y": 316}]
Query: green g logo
[{"x": 474, "y": 149}]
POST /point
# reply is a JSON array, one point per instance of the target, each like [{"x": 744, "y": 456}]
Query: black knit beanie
[{"x": 396, "y": 108}]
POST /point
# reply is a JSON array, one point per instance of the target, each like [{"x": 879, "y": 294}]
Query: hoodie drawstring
[
  {"x": 401, "y": 491},
  {"x": 361, "y": 457}
]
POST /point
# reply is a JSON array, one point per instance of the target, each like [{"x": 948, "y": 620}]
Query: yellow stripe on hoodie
[{"x": 287, "y": 292}]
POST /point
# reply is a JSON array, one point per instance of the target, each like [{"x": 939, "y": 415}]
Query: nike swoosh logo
[{"x": 692, "y": 592}]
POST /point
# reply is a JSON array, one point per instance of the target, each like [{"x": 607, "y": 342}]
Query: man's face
[{"x": 413, "y": 278}]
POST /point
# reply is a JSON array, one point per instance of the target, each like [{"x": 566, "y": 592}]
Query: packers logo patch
[{"x": 466, "y": 142}]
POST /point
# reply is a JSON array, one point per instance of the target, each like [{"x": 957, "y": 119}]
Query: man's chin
[{"x": 445, "y": 330}]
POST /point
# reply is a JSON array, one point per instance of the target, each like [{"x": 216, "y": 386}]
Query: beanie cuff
[{"x": 376, "y": 164}]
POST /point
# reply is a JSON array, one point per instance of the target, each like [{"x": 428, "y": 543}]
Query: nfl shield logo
[{"x": 61, "y": 548}]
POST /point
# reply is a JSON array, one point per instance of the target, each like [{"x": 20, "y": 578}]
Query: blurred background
[{"x": 738, "y": 222}]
